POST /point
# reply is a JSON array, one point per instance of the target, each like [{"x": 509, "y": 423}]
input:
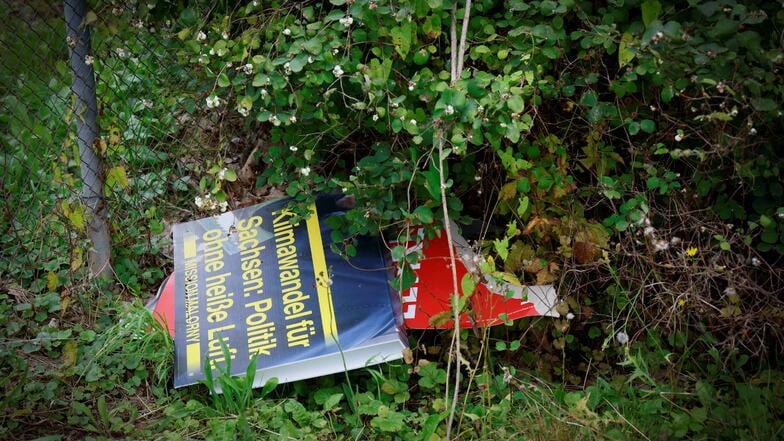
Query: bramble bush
[{"x": 622, "y": 137}]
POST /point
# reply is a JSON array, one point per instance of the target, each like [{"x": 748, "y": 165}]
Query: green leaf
[
  {"x": 763, "y": 104},
  {"x": 229, "y": 175},
  {"x": 398, "y": 253},
  {"x": 667, "y": 93},
  {"x": 188, "y": 17},
  {"x": 298, "y": 63},
  {"x": 502, "y": 247},
  {"x": 405, "y": 279},
  {"x": 424, "y": 214},
  {"x": 332, "y": 401},
  {"x": 767, "y": 236},
  {"x": 313, "y": 45},
  {"x": 223, "y": 80},
  {"x": 522, "y": 206},
  {"x": 260, "y": 80},
  {"x": 515, "y": 103},
  {"x": 116, "y": 176},
  {"x": 378, "y": 72},
  {"x": 433, "y": 182},
  {"x": 625, "y": 56},
  {"x": 634, "y": 128},
  {"x": 551, "y": 52},
  {"x": 401, "y": 37},
  {"x": 651, "y": 9},
  {"x": 467, "y": 284},
  {"x": 647, "y": 126},
  {"x": 589, "y": 99}
]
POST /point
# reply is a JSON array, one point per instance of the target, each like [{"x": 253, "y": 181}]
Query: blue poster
[{"x": 252, "y": 282}]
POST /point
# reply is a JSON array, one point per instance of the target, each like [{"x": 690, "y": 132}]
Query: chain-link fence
[{"x": 93, "y": 133}]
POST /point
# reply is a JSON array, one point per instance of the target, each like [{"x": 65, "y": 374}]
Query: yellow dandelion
[
  {"x": 692, "y": 251},
  {"x": 681, "y": 302}
]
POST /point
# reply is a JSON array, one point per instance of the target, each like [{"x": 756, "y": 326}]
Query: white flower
[
  {"x": 244, "y": 111},
  {"x": 223, "y": 206},
  {"x": 304, "y": 171},
  {"x": 201, "y": 36},
  {"x": 120, "y": 52},
  {"x": 293, "y": 148},
  {"x": 248, "y": 68},
  {"x": 678, "y": 137},
  {"x": 345, "y": 189},
  {"x": 255, "y": 3},
  {"x": 212, "y": 51},
  {"x": 375, "y": 117},
  {"x": 734, "y": 113},
  {"x": 412, "y": 122},
  {"x": 569, "y": 316},
  {"x": 310, "y": 60},
  {"x": 752, "y": 131},
  {"x": 274, "y": 120},
  {"x": 213, "y": 101},
  {"x": 755, "y": 261},
  {"x": 89, "y": 59},
  {"x": 263, "y": 92},
  {"x": 411, "y": 85},
  {"x": 622, "y": 337},
  {"x": 225, "y": 35},
  {"x": 222, "y": 173},
  {"x": 292, "y": 119},
  {"x": 449, "y": 109},
  {"x": 730, "y": 291},
  {"x": 346, "y": 21},
  {"x": 477, "y": 178},
  {"x": 337, "y": 70},
  {"x": 287, "y": 31},
  {"x": 204, "y": 59},
  {"x": 198, "y": 201}
]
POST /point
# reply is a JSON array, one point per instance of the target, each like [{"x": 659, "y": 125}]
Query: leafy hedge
[{"x": 630, "y": 136}]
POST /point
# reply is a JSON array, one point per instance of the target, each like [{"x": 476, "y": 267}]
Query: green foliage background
[{"x": 626, "y": 151}]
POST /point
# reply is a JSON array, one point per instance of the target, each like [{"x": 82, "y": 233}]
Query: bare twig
[{"x": 457, "y": 54}]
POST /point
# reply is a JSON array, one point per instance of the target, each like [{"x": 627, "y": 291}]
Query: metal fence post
[{"x": 85, "y": 113}]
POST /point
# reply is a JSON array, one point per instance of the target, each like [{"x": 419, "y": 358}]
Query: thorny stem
[{"x": 457, "y": 54}]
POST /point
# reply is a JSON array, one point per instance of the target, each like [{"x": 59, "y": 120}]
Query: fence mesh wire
[{"x": 144, "y": 132}]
